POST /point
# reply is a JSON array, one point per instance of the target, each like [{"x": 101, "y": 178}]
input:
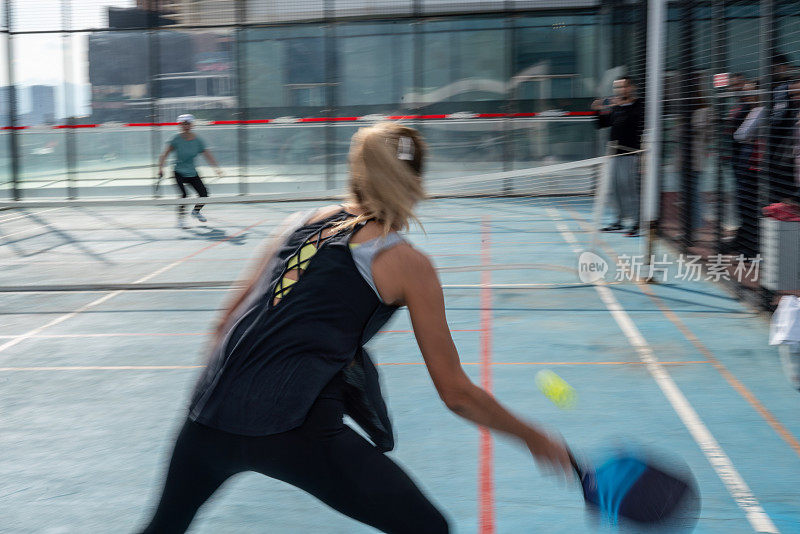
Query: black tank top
[{"x": 268, "y": 370}]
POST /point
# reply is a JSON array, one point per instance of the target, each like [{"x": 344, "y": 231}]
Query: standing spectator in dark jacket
[
  {"x": 747, "y": 136},
  {"x": 794, "y": 94},
  {"x": 780, "y": 127},
  {"x": 624, "y": 114}
]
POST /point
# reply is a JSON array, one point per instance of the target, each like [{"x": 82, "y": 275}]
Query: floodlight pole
[{"x": 653, "y": 127}]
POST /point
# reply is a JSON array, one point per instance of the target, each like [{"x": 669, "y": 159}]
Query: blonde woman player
[
  {"x": 288, "y": 360},
  {"x": 187, "y": 146}
]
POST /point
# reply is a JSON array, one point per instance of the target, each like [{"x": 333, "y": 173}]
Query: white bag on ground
[{"x": 785, "y": 331}]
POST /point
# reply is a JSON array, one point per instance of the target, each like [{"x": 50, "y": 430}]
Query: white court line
[
  {"x": 22, "y": 337},
  {"x": 19, "y": 339},
  {"x": 532, "y": 285},
  {"x": 27, "y": 230},
  {"x": 716, "y": 456},
  {"x": 7, "y": 219},
  {"x": 47, "y": 225}
]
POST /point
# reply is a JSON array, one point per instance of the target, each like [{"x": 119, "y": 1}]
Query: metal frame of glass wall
[{"x": 278, "y": 99}]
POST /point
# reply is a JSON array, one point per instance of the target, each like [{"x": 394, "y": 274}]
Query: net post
[{"x": 656, "y": 24}]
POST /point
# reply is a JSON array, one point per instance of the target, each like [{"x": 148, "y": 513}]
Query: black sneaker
[
  {"x": 633, "y": 232},
  {"x": 617, "y": 226}
]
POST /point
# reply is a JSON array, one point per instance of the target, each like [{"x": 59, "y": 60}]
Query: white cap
[{"x": 186, "y": 117}]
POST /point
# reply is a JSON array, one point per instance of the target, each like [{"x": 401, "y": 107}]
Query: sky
[{"x": 39, "y": 58}]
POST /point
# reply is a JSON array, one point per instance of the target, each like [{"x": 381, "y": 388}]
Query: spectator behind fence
[
  {"x": 780, "y": 129},
  {"x": 746, "y": 240},
  {"x": 624, "y": 113},
  {"x": 794, "y": 94}
]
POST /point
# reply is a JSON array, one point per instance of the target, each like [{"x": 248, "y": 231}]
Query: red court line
[{"x": 486, "y": 517}]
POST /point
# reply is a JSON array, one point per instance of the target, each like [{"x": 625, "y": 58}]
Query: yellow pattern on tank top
[{"x": 297, "y": 263}]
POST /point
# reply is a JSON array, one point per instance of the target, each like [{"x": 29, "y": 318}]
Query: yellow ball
[{"x": 556, "y": 389}]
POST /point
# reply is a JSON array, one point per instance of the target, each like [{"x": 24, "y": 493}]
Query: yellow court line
[
  {"x": 729, "y": 377},
  {"x": 387, "y": 364}
]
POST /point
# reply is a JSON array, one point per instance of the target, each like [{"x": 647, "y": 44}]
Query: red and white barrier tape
[{"x": 297, "y": 120}]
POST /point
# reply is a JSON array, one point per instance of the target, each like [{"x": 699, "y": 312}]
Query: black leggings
[
  {"x": 197, "y": 183},
  {"x": 324, "y": 457}
]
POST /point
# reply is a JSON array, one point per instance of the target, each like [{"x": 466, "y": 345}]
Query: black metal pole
[
  {"x": 687, "y": 106},
  {"x": 766, "y": 184},
  {"x": 13, "y": 140},
  {"x": 508, "y": 104},
  {"x": 243, "y": 112},
  {"x": 69, "y": 133},
  {"x": 767, "y": 51},
  {"x": 720, "y": 142},
  {"x": 331, "y": 88},
  {"x": 640, "y": 46},
  {"x": 418, "y": 47},
  {"x": 154, "y": 67}
]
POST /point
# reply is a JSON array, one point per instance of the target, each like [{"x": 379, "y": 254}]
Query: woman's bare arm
[{"x": 407, "y": 272}]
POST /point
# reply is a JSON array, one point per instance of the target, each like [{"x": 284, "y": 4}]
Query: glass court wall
[{"x": 90, "y": 89}]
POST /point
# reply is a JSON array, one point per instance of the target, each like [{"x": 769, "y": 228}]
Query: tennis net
[{"x": 119, "y": 244}]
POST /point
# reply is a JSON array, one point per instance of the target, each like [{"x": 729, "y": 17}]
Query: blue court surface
[{"x": 104, "y": 315}]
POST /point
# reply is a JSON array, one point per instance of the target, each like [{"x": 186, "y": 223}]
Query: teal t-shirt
[{"x": 185, "y": 152}]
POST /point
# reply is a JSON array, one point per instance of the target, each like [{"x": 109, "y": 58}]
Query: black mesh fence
[{"x": 731, "y": 108}]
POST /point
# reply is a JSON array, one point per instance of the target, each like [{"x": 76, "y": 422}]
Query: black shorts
[{"x": 195, "y": 181}]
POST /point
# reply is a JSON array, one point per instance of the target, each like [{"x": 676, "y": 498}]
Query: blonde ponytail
[{"x": 386, "y": 174}]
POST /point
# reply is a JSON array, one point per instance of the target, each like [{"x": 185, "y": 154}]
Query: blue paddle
[{"x": 627, "y": 487}]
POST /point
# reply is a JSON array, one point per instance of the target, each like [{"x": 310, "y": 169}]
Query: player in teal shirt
[{"x": 187, "y": 146}]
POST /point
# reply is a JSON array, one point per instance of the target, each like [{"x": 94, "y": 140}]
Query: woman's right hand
[{"x": 550, "y": 453}]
